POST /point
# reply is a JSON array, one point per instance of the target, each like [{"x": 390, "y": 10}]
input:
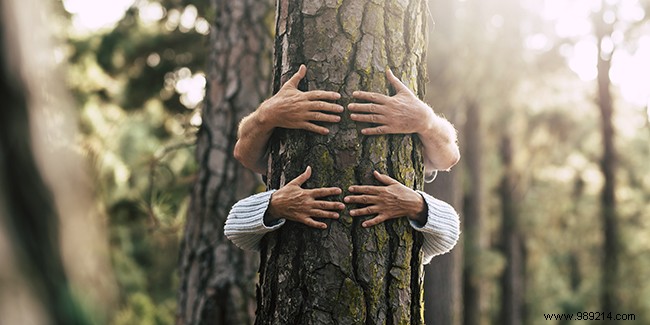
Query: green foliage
[{"x": 139, "y": 86}]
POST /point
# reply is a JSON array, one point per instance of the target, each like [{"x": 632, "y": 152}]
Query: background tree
[
  {"x": 346, "y": 274},
  {"x": 216, "y": 278},
  {"x": 603, "y": 28}
]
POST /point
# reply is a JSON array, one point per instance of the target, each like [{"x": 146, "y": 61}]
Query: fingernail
[
  {"x": 347, "y": 200},
  {"x": 364, "y": 131},
  {"x": 355, "y": 93},
  {"x": 364, "y": 225}
]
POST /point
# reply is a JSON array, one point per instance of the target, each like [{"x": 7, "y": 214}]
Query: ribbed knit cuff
[
  {"x": 245, "y": 224},
  {"x": 442, "y": 228}
]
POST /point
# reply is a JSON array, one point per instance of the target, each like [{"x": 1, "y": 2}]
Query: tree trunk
[
  {"x": 512, "y": 279},
  {"x": 216, "y": 278},
  {"x": 28, "y": 214},
  {"x": 475, "y": 240},
  {"x": 443, "y": 277},
  {"x": 345, "y": 274},
  {"x": 609, "y": 300}
]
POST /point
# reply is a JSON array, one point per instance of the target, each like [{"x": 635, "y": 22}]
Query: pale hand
[
  {"x": 391, "y": 201},
  {"x": 291, "y": 108},
  {"x": 403, "y": 113},
  {"x": 294, "y": 203}
]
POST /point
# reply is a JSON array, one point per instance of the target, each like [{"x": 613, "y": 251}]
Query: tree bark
[
  {"x": 345, "y": 274},
  {"x": 216, "y": 278}
]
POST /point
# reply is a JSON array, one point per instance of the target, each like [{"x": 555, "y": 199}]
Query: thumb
[
  {"x": 384, "y": 179},
  {"x": 395, "y": 82},
  {"x": 302, "y": 178},
  {"x": 295, "y": 79}
]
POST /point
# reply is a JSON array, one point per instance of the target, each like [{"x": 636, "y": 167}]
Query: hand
[
  {"x": 391, "y": 201},
  {"x": 291, "y": 108},
  {"x": 402, "y": 113},
  {"x": 301, "y": 205}
]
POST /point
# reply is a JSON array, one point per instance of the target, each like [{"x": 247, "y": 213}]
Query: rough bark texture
[
  {"x": 345, "y": 274},
  {"x": 216, "y": 278},
  {"x": 474, "y": 238},
  {"x": 512, "y": 279},
  {"x": 609, "y": 300}
]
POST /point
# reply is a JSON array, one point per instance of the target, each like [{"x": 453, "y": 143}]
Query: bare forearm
[
  {"x": 253, "y": 136},
  {"x": 440, "y": 144}
]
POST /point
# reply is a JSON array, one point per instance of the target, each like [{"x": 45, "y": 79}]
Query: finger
[
  {"x": 366, "y": 189},
  {"x": 311, "y": 127},
  {"x": 366, "y": 108},
  {"x": 322, "y": 95},
  {"x": 323, "y": 214},
  {"x": 328, "y": 205},
  {"x": 313, "y": 223},
  {"x": 368, "y": 118},
  {"x": 374, "y": 221},
  {"x": 373, "y": 209},
  {"x": 361, "y": 199},
  {"x": 322, "y": 117},
  {"x": 384, "y": 179},
  {"x": 295, "y": 79},
  {"x": 324, "y": 106},
  {"x": 324, "y": 191},
  {"x": 379, "y": 130},
  {"x": 371, "y": 97},
  {"x": 302, "y": 178},
  {"x": 397, "y": 84}
]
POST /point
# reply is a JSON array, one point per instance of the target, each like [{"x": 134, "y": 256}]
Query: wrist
[
  {"x": 271, "y": 215},
  {"x": 429, "y": 120},
  {"x": 264, "y": 117},
  {"x": 419, "y": 211}
]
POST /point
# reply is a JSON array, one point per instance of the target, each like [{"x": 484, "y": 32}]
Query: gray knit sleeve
[
  {"x": 442, "y": 229},
  {"x": 245, "y": 223}
]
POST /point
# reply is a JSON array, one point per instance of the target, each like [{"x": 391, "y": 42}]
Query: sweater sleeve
[
  {"x": 245, "y": 223},
  {"x": 442, "y": 229}
]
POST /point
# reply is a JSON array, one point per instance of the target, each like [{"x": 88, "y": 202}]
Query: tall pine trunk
[
  {"x": 609, "y": 300},
  {"x": 475, "y": 240},
  {"x": 512, "y": 279},
  {"x": 345, "y": 274},
  {"x": 443, "y": 276},
  {"x": 29, "y": 219},
  {"x": 216, "y": 278}
]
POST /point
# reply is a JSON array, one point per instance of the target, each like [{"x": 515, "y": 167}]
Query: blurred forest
[{"x": 551, "y": 99}]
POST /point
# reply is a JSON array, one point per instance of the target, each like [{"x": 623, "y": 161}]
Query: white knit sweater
[{"x": 245, "y": 224}]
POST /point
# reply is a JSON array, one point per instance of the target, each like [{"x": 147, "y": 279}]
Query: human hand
[
  {"x": 402, "y": 113},
  {"x": 294, "y": 203},
  {"x": 391, "y": 201},
  {"x": 291, "y": 108}
]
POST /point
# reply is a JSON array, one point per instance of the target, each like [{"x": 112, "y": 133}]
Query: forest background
[{"x": 554, "y": 206}]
